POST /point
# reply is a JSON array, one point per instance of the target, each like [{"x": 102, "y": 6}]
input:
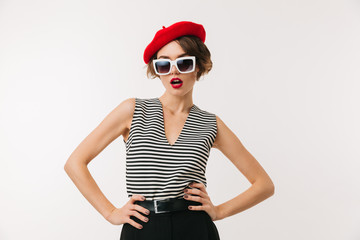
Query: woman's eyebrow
[{"x": 163, "y": 56}]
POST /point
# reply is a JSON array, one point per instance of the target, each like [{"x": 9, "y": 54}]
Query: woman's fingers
[
  {"x": 141, "y": 209},
  {"x": 201, "y": 186},
  {"x": 135, "y": 210},
  {"x": 123, "y": 215},
  {"x": 137, "y": 207},
  {"x": 137, "y": 197},
  {"x": 135, "y": 224},
  {"x": 191, "y": 193},
  {"x": 195, "y": 199},
  {"x": 199, "y": 194},
  {"x": 196, "y": 191},
  {"x": 139, "y": 216}
]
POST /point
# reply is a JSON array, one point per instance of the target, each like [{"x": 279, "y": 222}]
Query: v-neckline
[{"x": 163, "y": 123}]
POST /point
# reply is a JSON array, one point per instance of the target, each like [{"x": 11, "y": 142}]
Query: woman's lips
[{"x": 176, "y": 85}]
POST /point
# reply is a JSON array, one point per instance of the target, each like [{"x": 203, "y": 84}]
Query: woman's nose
[{"x": 174, "y": 69}]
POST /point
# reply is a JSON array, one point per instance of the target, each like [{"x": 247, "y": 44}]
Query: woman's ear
[{"x": 196, "y": 68}]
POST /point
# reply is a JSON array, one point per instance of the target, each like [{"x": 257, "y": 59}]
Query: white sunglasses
[{"x": 183, "y": 65}]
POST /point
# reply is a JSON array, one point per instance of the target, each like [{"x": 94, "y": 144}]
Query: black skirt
[{"x": 178, "y": 225}]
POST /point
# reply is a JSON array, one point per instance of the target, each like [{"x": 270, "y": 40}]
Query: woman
[{"x": 168, "y": 141}]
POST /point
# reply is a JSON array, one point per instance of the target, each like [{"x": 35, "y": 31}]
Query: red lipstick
[{"x": 176, "y": 82}]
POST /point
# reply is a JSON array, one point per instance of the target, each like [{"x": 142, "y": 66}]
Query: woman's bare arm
[
  {"x": 262, "y": 186},
  {"x": 115, "y": 124}
]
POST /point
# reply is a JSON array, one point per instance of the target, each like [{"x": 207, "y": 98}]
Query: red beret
[{"x": 166, "y": 35}]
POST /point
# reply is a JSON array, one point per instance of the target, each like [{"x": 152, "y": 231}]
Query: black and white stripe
[{"x": 158, "y": 170}]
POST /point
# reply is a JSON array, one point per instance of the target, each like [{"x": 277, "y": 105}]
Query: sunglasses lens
[
  {"x": 162, "y": 66},
  {"x": 185, "y": 65}
]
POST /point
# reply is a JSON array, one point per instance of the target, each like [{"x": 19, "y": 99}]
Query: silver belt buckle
[{"x": 156, "y": 209}]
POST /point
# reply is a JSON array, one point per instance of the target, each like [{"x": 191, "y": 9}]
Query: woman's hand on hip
[
  {"x": 202, "y": 196},
  {"x": 122, "y": 215}
]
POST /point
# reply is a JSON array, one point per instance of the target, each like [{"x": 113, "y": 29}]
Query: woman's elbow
[
  {"x": 269, "y": 188},
  {"x": 71, "y": 164}
]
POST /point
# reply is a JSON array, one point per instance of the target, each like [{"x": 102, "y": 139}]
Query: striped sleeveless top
[{"x": 155, "y": 168}]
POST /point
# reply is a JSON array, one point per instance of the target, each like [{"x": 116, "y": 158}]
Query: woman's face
[{"x": 172, "y": 51}]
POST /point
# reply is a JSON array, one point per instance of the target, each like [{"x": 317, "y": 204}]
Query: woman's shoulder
[
  {"x": 143, "y": 99},
  {"x": 204, "y": 112},
  {"x": 132, "y": 104},
  {"x": 126, "y": 108},
  {"x": 133, "y": 100}
]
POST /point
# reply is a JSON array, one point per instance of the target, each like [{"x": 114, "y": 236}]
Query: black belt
[{"x": 166, "y": 205}]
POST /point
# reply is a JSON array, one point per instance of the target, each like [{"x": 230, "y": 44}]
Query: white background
[{"x": 285, "y": 80}]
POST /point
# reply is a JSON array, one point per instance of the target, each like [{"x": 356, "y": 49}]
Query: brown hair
[{"x": 193, "y": 46}]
